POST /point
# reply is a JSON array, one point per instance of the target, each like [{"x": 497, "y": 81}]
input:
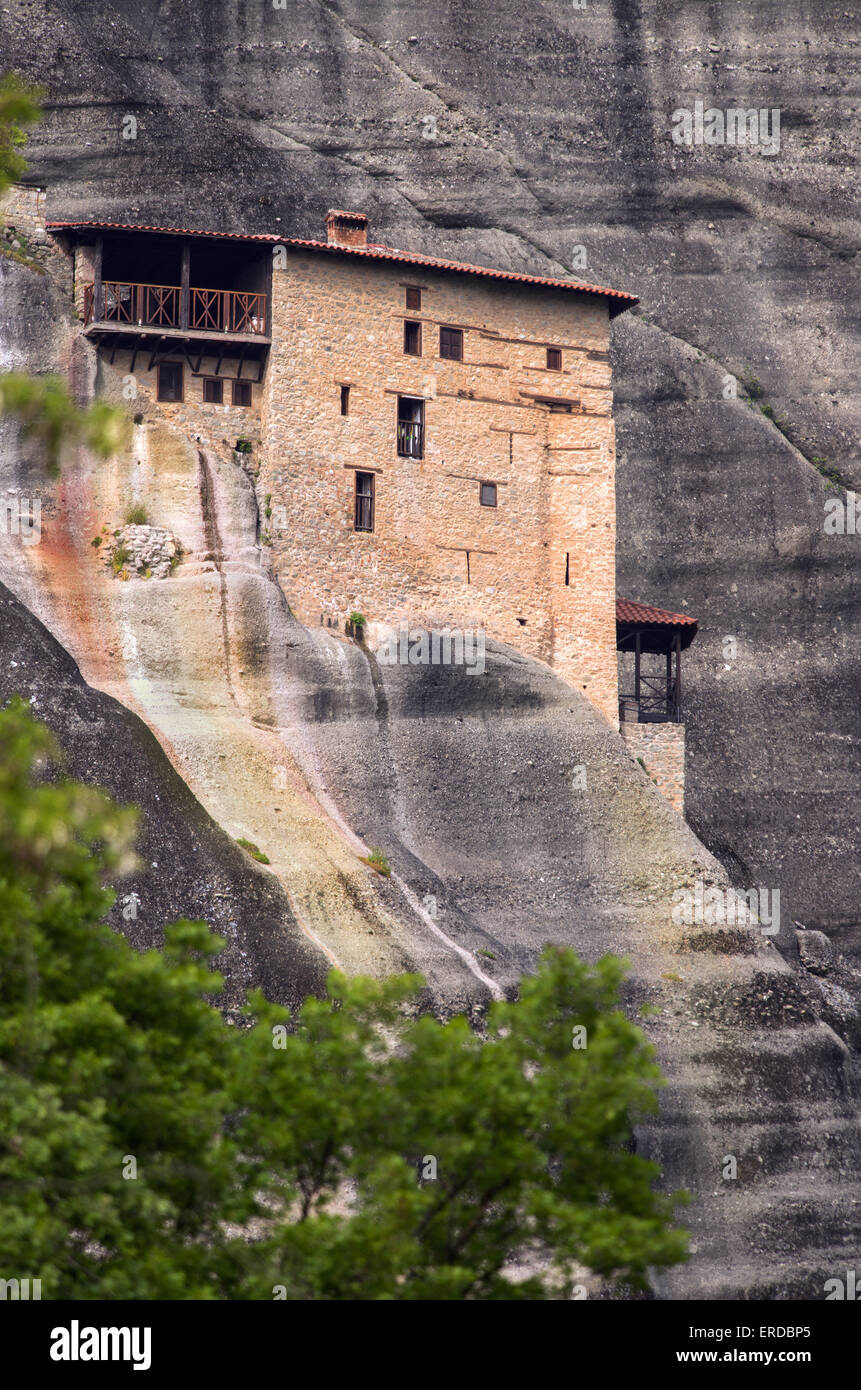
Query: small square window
[
  {"x": 412, "y": 338},
  {"x": 213, "y": 390},
  {"x": 241, "y": 392},
  {"x": 554, "y": 359},
  {"x": 414, "y": 298},
  {"x": 170, "y": 381},
  {"x": 451, "y": 343},
  {"x": 487, "y": 494},
  {"x": 345, "y": 400},
  {"x": 364, "y": 517}
]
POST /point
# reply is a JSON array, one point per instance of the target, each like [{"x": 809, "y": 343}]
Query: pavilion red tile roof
[
  {"x": 620, "y": 299},
  {"x": 629, "y": 612}
]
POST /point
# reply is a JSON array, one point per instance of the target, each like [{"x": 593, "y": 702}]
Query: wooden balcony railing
[{"x": 160, "y": 306}]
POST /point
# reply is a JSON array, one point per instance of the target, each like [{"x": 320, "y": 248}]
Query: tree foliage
[
  {"x": 19, "y": 107},
  {"x": 354, "y": 1151},
  {"x": 42, "y": 405}
]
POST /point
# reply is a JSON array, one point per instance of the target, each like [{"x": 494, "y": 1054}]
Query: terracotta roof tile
[
  {"x": 628, "y": 612},
  {"x": 620, "y": 300}
]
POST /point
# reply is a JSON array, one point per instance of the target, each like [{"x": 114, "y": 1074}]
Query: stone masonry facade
[
  {"x": 662, "y": 750},
  {"x": 499, "y": 516},
  {"x": 23, "y": 206},
  {"x": 536, "y": 570}
]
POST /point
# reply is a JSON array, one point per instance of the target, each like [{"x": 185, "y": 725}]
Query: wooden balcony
[{"x": 197, "y": 312}]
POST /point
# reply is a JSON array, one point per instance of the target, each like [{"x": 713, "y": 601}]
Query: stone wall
[
  {"x": 537, "y": 570},
  {"x": 662, "y": 749},
  {"x": 213, "y": 426},
  {"x": 23, "y": 207}
]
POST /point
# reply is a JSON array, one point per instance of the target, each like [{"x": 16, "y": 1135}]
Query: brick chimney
[{"x": 346, "y": 228}]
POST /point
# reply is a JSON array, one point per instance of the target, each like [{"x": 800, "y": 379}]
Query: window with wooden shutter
[
  {"x": 213, "y": 390},
  {"x": 554, "y": 359},
  {"x": 451, "y": 343},
  {"x": 170, "y": 381},
  {"x": 414, "y": 298},
  {"x": 364, "y": 515}
]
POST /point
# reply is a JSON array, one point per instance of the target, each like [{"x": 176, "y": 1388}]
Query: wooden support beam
[
  {"x": 155, "y": 352},
  {"x": 185, "y": 275},
  {"x": 678, "y": 645},
  {"x": 98, "y": 295}
]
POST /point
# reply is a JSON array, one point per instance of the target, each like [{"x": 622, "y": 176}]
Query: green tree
[
  {"x": 357, "y": 1151},
  {"x": 19, "y": 107},
  {"x": 42, "y": 405}
]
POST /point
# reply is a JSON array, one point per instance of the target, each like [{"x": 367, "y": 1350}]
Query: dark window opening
[
  {"x": 364, "y": 520},
  {"x": 554, "y": 359},
  {"x": 170, "y": 381},
  {"x": 411, "y": 420},
  {"x": 413, "y": 338},
  {"x": 213, "y": 390},
  {"x": 522, "y": 622},
  {"x": 487, "y": 494},
  {"x": 414, "y": 298},
  {"x": 567, "y": 567},
  {"x": 345, "y": 400},
  {"x": 242, "y": 393},
  {"x": 451, "y": 343}
]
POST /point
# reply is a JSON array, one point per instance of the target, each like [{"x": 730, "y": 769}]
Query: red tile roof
[
  {"x": 620, "y": 300},
  {"x": 628, "y": 612}
]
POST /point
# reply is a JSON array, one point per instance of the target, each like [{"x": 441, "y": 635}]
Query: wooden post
[
  {"x": 670, "y": 698},
  {"x": 184, "y": 284},
  {"x": 637, "y": 646},
  {"x": 679, "y": 676},
  {"x": 98, "y": 294}
]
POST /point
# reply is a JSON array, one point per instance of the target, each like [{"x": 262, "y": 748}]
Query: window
[
  {"x": 554, "y": 359},
  {"x": 487, "y": 494},
  {"x": 213, "y": 390},
  {"x": 345, "y": 400},
  {"x": 364, "y": 502},
  {"x": 414, "y": 298},
  {"x": 411, "y": 420},
  {"x": 451, "y": 343},
  {"x": 170, "y": 381},
  {"x": 241, "y": 392},
  {"x": 413, "y": 338}
]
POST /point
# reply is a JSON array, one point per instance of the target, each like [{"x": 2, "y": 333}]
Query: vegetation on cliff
[{"x": 354, "y": 1151}]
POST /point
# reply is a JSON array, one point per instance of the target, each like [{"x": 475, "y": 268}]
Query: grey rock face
[
  {"x": 189, "y": 867},
  {"x": 816, "y": 951},
  {"x": 512, "y": 135},
  {"x": 515, "y": 135}
]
